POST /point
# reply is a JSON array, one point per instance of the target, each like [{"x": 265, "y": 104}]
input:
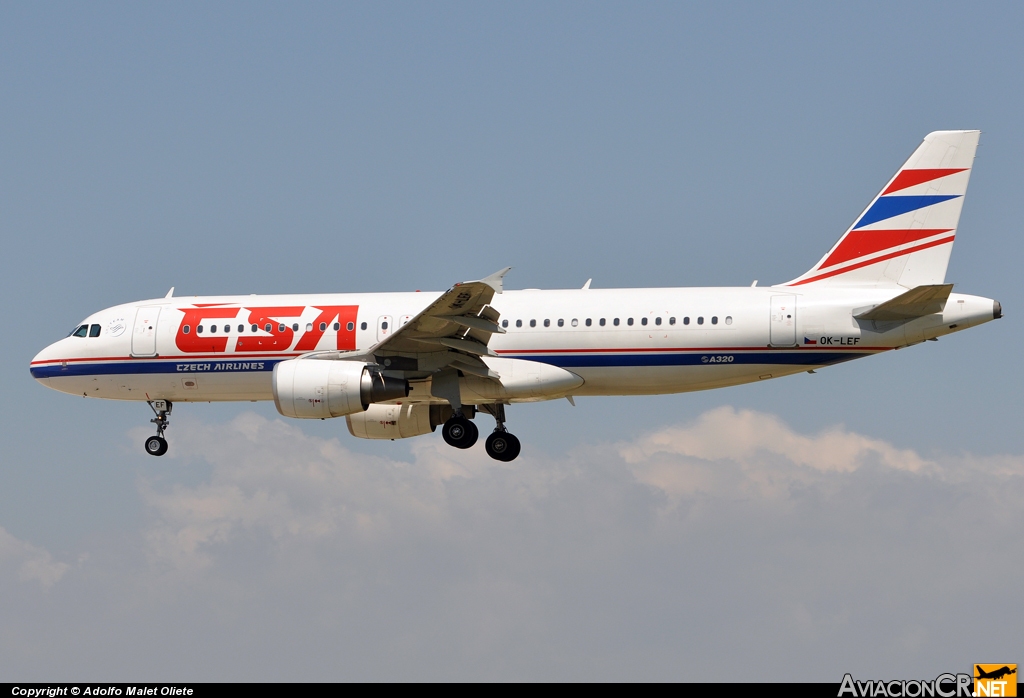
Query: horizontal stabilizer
[{"x": 915, "y": 303}]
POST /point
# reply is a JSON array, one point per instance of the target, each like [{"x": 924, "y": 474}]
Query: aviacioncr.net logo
[{"x": 942, "y": 686}]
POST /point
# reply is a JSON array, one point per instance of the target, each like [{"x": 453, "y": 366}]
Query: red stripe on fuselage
[
  {"x": 178, "y": 357},
  {"x": 629, "y": 350}
]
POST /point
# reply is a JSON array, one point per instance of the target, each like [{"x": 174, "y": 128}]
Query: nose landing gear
[{"x": 157, "y": 445}]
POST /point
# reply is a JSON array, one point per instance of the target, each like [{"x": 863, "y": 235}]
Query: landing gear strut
[
  {"x": 157, "y": 445},
  {"x": 500, "y": 445}
]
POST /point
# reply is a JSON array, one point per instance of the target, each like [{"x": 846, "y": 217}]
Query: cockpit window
[
  {"x": 94, "y": 330},
  {"x": 80, "y": 331}
]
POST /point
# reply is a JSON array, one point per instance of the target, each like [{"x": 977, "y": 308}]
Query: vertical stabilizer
[{"x": 904, "y": 237}]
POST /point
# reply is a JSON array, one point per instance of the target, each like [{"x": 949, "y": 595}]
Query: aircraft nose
[
  {"x": 39, "y": 366},
  {"x": 997, "y": 310}
]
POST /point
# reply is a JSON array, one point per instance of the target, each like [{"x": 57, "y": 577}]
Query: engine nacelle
[
  {"x": 318, "y": 389},
  {"x": 397, "y": 421}
]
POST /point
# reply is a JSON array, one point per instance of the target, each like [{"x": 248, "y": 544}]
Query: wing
[{"x": 452, "y": 332}]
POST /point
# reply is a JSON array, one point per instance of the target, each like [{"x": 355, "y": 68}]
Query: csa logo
[{"x": 995, "y": 680}]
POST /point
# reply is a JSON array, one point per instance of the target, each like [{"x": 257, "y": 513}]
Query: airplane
[
  {"x": 996, "y": 674},
  {"x": 398, "y": 365}
]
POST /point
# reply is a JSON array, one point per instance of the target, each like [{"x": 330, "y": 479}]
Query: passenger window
[
  {"x": 227, "y": 329},
  {"x": 588, "y": 322},
  {"x": 700, "y": 320},
  {"x": 94, "y": 331},
  {"x": 309, "y": 326},
  {"x": 213, "y": 328},
  {"x": 268, "y": 327},
  {"x": 629, "y": 322},
  {"x": 199, "y": 329},
  {"x": 350, "y": 326},
  {"x": 255, "y": 328},
  {"x": 295, "y": 327},
  {"x": 323, "y": 326},
  {"x": 281, "y": 327},
  {"x": 686, "y": 320},
  {"x": 657, "y": 320},
  {"x": 728, "y": 319},
  {"x": 384, "y": 325},
  {"x": 601, "y": 322},
  {"x": 533, "y": 323},
  {"x": 561, "y": 322},
  {"x": 547, "y": 323},
  {"x": 714, "y": 319},
  {"x": 362, "y": 325},
  {"x": 671, "y": 321},
  {"x": 615, "y": 322},
  {"x": 643, "y": 321},
  {"x": 241, "y": 329},
  {"x": 519, "y": 323},
  {"x": 504, "y": 323},
  {"x": 185, "y": 329},
  {"x": 575, "y": 322}
]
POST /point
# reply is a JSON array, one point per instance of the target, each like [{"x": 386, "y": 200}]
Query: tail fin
[{"x": 905, "y": 236}]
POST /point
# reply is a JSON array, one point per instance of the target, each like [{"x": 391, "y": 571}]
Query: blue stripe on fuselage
[
  {"x": 569, "y": 361},
  {"x": 797, "y": 358},
  {"x": 139, "y": 367}
]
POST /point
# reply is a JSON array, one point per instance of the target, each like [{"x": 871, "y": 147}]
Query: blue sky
[{"x": 260, "y": 148}]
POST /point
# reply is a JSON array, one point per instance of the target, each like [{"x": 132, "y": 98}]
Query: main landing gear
[
  {"x": 459, "y": 432},
  {"x": 157, "y": 445},
  {"x": 500, "y": 445}
]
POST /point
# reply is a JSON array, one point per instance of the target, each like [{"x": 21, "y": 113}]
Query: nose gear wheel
[{"x": 157, "y": 445}]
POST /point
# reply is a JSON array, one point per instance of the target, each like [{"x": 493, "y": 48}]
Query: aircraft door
[
  {"x": 144, "y": 333},
  {"x": 385, "y": 326},
  {"x": 782, "y": 331}
]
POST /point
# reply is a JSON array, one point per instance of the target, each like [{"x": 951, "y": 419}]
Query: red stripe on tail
[
  {"x": 908, "y": 178},
  {"x": 859, "y": 243}
]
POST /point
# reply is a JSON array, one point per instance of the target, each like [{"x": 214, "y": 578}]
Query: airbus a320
[{"x": 398, "y": 365}]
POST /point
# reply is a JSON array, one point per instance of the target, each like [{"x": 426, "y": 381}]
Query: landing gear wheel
[
  {"x": 156, "y": 445},
  {"x": 502, "y": 446},
  {"x": 459, "y": 432}
]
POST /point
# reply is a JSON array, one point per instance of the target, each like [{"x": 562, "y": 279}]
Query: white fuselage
[{"x": 618, "y": 341}]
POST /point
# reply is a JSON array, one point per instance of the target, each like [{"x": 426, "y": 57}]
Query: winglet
[
  {"x": 586, "y": 286},
  {"x": 495, "y": 279},
  {"x": 170, "y": 293}
]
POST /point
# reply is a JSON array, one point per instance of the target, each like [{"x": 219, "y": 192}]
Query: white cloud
[
  {"x": 767, "y": 455},
  {"x": 732, "y": 541},
  {"x": 30, "y": 562}
]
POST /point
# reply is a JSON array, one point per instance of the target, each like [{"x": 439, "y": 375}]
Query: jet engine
[
  {"x": 318, "y": 389},
  {"x": 397, "y": 421}
]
